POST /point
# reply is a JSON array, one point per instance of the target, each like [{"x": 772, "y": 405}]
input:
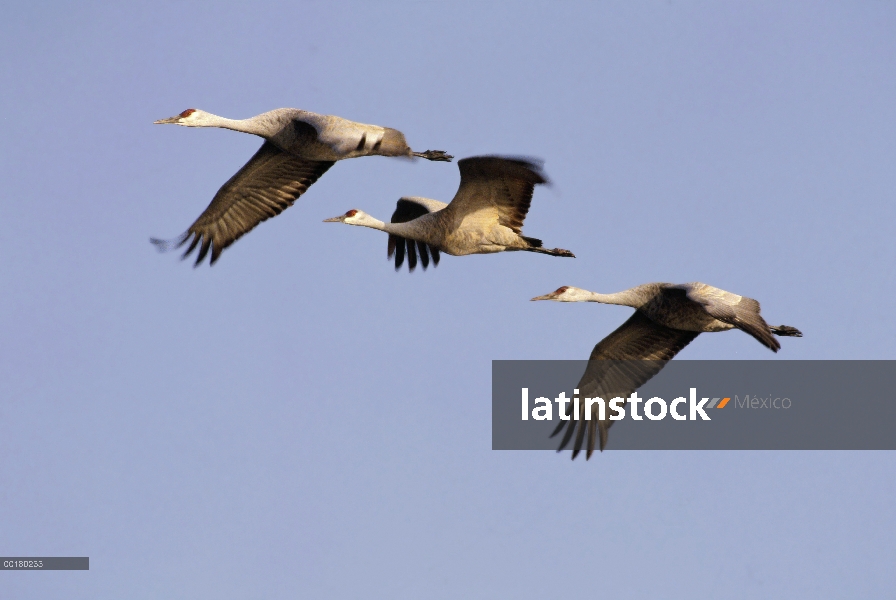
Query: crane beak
[
  {"x": 338, "y": 219},
  {"x": 174, "y": 119},
  {"x": 545, "y": 297}
]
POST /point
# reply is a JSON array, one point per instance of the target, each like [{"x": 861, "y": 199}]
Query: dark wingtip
[
  {"x": 411, "y": 254},
  {"x": 399, "y": 254},
  {"x": 528, "y": 168},
  {"x": 557, "y": 430},
  {"x": 423, "y": 250},
  {"x": 161, "y": 245},
  {"x": 216, "y": 254},
  {"x": 771, "y": 343},
  {"x": 390, "y": 248},
  {"x": 168, "y": 245}
]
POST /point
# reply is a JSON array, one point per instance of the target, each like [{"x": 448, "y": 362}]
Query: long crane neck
[
  {"x": 401, "y": 229},
  {"x": 371, "y": 222},
  {"x": 266, "y": 125},
  {"x": 631, "y": 297},
  {"x": 255, "y": 125}
]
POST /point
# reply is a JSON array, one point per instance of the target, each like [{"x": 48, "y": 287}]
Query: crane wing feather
[
  {"x": 500, "y": 183},
  {"x": 264, "y": 187},
  {"x": 620, "y": 364},
  {"x": 408, "y": 209},
  {"x": 743, "y": 314}
]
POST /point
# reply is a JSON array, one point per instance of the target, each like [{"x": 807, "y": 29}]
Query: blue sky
[{"x": 301, "y": 421}]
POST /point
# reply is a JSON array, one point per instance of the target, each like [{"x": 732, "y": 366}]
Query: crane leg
[{"x": 436, "y": 155}]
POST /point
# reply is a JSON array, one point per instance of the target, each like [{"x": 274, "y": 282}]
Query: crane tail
[{"x": 533, "y": 242}]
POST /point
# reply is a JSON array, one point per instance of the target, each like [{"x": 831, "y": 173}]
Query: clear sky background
[{"x": 300, "y": 421}]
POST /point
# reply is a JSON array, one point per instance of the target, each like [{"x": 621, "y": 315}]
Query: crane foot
[
  {"x": 786, "y": 331},
  {"x": 436, "y": 155}
]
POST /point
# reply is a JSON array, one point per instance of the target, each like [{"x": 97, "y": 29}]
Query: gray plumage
[
  {"x": 299, "y": 147},
  {"x": 485, "y": 216},
  {"x": 667, "y": 318}
]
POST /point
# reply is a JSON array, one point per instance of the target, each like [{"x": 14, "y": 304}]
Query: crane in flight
[
  {"x": 667, "y": 318},
  {"x": 485, "y": 216},
  {"x": 299, "y": 147}
]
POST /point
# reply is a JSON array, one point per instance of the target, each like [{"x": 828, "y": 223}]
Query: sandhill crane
[
  {"x": 667, "y": 318},
  {"x": 299, "y": 147},
  {"x": 485, "y": 216}
]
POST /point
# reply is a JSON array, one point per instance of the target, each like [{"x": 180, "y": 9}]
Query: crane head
[
  {"x": 188, "y": 118},
  {"x": 352, "y": 217},
  {"x": 567, "y": 293}
]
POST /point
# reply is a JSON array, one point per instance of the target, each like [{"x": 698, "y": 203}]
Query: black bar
[{"x": 44, "y": 563}]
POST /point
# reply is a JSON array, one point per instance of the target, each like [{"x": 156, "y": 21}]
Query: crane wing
[
  {"x": 498, "y": 188},
  {"x": 408, "y": 209},
  {"x": 266, "y": 185},
  {"x": 620, "y": 364},
  {"x": 740, "y": 311}
]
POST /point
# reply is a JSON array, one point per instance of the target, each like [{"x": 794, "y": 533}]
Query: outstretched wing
[
  {"x": 620, "y": 364},
  {"x": 408, "y": 209},
  {"x": 266, "y": 185},
  {"x": 497, "y": 189},
  {"x": 740, "y": 311}
]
